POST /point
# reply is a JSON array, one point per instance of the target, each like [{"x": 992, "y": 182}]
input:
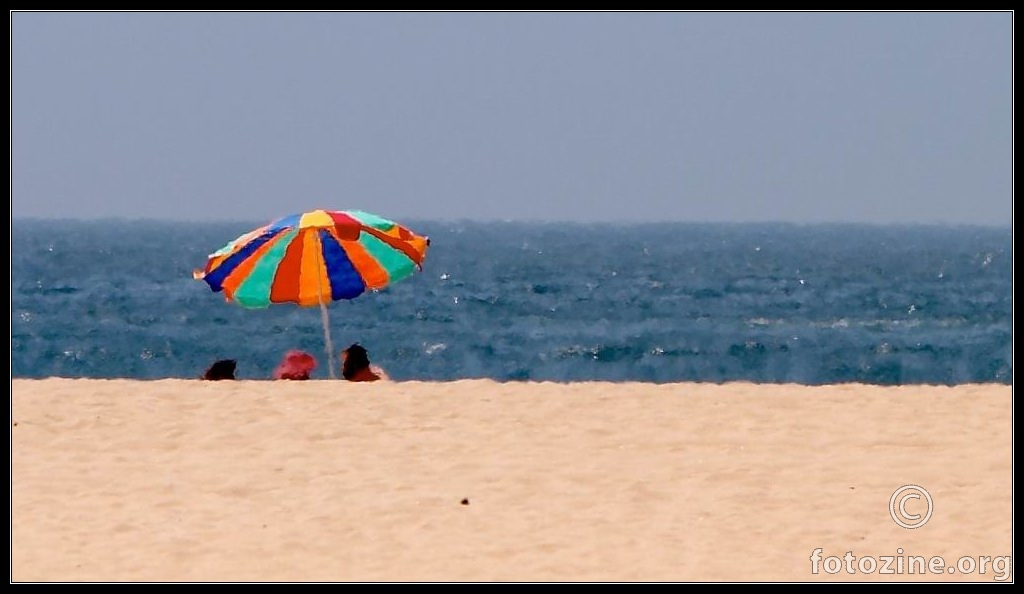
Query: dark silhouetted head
[
  {"x": 223, "y": 369},
  {"x": 353, "y": 360}
]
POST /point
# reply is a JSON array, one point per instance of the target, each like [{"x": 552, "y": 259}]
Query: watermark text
[{"x": 899, "y": 564}]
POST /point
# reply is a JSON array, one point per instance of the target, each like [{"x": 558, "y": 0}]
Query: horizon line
[{"x": 529, "y": 221}]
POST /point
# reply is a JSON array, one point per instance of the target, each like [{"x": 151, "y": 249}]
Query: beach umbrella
[{"x": 313, "y": 258}]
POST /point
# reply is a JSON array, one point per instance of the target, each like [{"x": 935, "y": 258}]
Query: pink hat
[{"x": 295, "y": 365}]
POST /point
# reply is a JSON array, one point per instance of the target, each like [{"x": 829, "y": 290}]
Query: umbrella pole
[
  {"x": 327, "y": 338},
  {"x": 324, "y": 318}
]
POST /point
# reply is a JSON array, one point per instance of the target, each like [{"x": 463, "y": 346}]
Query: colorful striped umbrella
[{"x": 314, "y": 258}]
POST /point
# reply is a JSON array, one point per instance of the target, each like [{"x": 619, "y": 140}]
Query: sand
[{"x": 327, "y": 481}]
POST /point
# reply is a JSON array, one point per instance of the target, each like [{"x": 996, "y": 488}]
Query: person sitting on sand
[
  {"x": 223, "y": 369},
  {"x": 356, "y": 367},
  {"x": 296, "y": 365}
]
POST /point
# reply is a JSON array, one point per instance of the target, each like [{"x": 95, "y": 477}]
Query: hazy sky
[{"x": 897, "y": 117}]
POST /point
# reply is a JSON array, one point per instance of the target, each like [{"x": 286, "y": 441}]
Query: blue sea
[{"x": 808, "y": 304}]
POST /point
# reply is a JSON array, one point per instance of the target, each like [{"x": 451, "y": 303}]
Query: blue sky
[{"x": 890, "y": 117}]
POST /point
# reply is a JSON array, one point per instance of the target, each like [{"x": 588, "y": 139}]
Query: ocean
[{"x": 673, "y": 302}]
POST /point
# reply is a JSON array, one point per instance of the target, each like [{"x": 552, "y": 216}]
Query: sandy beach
[{"x": 242, "y": 481}]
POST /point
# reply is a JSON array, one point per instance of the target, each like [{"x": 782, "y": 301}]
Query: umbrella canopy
[{"x": 313, "y": 258}]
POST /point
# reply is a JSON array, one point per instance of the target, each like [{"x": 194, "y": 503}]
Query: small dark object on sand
[{"x": 465, "y": 502}]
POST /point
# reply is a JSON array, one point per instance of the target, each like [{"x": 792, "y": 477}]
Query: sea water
[{"x": 810, "y": 304}]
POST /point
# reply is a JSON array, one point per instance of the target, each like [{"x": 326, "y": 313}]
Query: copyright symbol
[{"x": 898, "y": 506}]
